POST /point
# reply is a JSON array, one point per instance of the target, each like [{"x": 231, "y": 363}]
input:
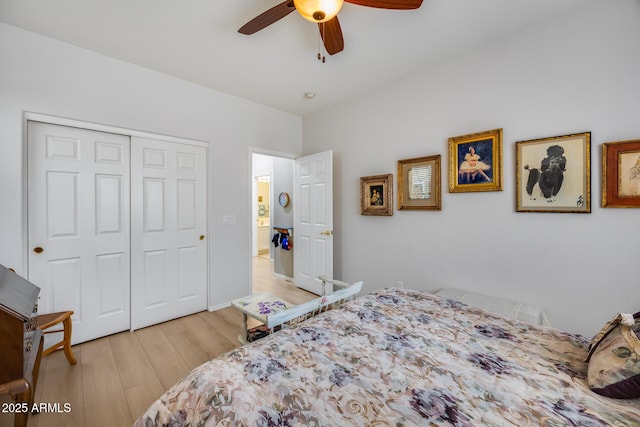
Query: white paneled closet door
[
  {"x": 78, "y": 225},
  {"x": 168, "y": 229}
]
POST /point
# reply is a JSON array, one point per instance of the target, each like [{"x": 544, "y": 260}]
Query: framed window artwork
[
  {"x": 376, "y": 195},
  {"x": 621, "y": 174},
  {"x": 475, "y": 162},
  {"x": 554, "y": 174},
  {"x": 419, "y": 183}
]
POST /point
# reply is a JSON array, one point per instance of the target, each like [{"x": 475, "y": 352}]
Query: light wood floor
[{"x": 119, "y": 376}]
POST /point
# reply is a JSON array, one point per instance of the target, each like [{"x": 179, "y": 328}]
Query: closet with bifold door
[{"x": 117, "y": 224}]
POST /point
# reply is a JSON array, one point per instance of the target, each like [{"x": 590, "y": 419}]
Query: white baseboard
[
  {"x": 219, "y": 306},
  {"x": 283, "y": 277}
]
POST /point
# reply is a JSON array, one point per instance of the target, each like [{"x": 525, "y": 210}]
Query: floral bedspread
[{"x": 397, "y": 357}]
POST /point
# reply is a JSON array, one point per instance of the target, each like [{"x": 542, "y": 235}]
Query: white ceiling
[{"x": 197, "y": 40}]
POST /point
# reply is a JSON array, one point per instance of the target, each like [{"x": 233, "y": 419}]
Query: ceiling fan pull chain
[{"x": 321, "y": 44}]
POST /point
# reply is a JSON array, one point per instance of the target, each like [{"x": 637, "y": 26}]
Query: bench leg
[{"x": 245, "y": 330}]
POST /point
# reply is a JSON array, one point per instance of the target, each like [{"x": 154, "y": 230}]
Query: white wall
[
  {"x": 45, "y": 76},
  {"x": 577, "y": 73}
]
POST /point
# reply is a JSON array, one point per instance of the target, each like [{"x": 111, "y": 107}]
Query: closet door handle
[
  {"x": 202, "y": 237},
  {"x": 38, "y": 250}
]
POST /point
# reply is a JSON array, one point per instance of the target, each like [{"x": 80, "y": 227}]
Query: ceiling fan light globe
[{"x": 318, "y": 10}]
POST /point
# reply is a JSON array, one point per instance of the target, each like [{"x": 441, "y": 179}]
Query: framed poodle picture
[
  {"x": 376, "y": 195},
  {"x": 554, "y": 174},
  {"x": 475, "y": 162},
  {"x": 621, "y": 174}
]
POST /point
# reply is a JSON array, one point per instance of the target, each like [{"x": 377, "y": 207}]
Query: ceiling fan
[{"x": 324, "y": 13}]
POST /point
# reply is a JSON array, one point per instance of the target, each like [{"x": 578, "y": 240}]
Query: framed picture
[
  {"x": 554, "y": 174},
  {"x": 621, "y": 174},
  {"x": 376, "y": 195},
  {"x": 419, "y": 183},
  {"x": 475, "y": 162}
]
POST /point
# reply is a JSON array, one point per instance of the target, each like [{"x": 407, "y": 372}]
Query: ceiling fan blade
[
  {"x": 267, "y": 18},
  {"x": 388, "y": 4},
  {"x": 331, "y": 34}
]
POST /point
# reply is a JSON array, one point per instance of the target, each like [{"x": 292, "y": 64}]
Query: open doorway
[
  {"x": 305, "y": 184},
  {"x": 272, "y": 265},
  {"x": 272, "y": 176}
]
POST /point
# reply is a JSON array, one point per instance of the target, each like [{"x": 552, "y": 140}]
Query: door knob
[
  {"x": 326, "y": 233},
  {"x": 38, "y": 250},
  {"x": 202, "y": 237}
]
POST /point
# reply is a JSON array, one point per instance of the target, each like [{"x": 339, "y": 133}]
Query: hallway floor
[{"x": 264, "y": 280}]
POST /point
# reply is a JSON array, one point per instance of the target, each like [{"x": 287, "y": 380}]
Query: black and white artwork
[{"x": 553, "y": 174}]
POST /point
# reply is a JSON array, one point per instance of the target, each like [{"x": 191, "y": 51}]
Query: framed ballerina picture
[{"x": 475, "y": 162}]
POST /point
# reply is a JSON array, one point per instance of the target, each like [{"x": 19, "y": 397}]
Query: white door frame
[{"x": 255, "y": 249}]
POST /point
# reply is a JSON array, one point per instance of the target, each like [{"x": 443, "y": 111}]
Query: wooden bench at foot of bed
[{"x": 273, "y": 312}]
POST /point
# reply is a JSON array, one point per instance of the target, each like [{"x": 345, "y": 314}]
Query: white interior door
[
  {"x": 78, "y": 225},
  {"x": 168, "y": 228},
  {"x": 313, "y": 220}
]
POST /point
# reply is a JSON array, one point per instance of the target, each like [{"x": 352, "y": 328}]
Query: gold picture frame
[
  {"x": 621, "y": 174},
  {"x": 475, "y": 162},
  {"x": 419, "y": 185},
  {"x": 376, "y": 195},
  {"x": 554, "y": 174}
]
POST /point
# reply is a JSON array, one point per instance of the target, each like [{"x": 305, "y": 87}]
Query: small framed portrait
[
  {"x": 376, "y": 195},
  {"x": 554, "y": 174},
  {"x": 475, "y": 162},
  {"x": 621, "y": 174},
  {"x": 419, "y": 183}
]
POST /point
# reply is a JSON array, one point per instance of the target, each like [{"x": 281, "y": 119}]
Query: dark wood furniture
[{"x": 20, "y": 341}]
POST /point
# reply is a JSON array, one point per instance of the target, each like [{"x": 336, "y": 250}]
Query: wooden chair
[{"x": 46, "y": 321}]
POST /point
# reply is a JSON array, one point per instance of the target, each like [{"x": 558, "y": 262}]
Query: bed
[{"x": 397, "y": 357}]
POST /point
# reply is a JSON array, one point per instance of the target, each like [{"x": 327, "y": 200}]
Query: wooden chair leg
[{"x": 67, "y": 324}]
